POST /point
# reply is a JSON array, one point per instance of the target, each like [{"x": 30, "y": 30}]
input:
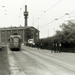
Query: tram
[{"x": 15, "y": 41}]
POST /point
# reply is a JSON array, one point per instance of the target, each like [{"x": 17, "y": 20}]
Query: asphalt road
[{"x": 33, "y": 61}]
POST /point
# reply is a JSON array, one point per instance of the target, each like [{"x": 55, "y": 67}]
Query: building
[{"x": 27, "y": 32}]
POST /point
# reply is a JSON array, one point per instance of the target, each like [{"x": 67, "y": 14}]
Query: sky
[{"x": 45, "y": 15}]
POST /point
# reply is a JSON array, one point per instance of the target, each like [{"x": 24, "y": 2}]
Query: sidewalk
[{"x": 4, "y": 65}]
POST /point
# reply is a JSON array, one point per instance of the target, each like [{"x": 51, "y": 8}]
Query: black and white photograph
[{"x": 37, "y": 37}]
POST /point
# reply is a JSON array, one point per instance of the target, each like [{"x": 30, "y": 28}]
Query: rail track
[
  {"x": 40, "y": 66},
  {"x": 19, "y": 63},
  {"x": 15, "y": 67},
  {"x": 38, "y": 63},
  {"x": 67, "y": 67}
]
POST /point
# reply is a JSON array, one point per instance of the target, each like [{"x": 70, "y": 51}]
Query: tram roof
[{"x": 19, "y": 28}]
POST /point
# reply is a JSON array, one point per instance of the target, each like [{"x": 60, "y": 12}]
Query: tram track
[
  {"x": 57, "y": 56},
  {"x": 49, "y": 73},
  {"x": 63, "y": 54},
  {"x": 45, "y": 70},
  {"x": 36, "y": 57},
  {"x": 54, "y": 62},
  {"x": 19, "y": 64}
]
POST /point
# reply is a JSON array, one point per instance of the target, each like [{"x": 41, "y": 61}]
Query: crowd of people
[{"x": 56, "y": 47}]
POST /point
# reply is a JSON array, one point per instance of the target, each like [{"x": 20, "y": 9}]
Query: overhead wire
[
  {"x": 20, "y": 11},
  {"x": 9, "y": 9},
  {"x": 47, "y": 10},
  {"x": 57, "y": 18},
  {"x": 54, "y": 5},
  {"x": 24, "y": 3}
]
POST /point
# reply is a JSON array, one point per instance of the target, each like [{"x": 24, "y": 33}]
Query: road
[{"x": 33, "y": 61}]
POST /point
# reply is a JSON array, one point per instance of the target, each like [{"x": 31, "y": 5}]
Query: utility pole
[
  {"x": 39, "y": 32},
  {"x": 48, "y": 32},
  {"x": 33, "y": 21},
  {"x": 38, "y": 27}
]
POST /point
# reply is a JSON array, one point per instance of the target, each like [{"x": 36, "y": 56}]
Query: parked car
[{"x": 31, "y": 42}]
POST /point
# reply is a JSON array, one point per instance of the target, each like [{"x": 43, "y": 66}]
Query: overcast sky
[{"x": 46, "y": 15}]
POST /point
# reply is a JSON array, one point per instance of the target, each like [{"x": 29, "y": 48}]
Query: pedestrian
[
  {"x": 53, "y": 48},
  {"x": 59, "y": 47},
  {"x": 38, "y": 45},
  {"x": 56, "y": 48},
  {"x": 41, "y": 45}
]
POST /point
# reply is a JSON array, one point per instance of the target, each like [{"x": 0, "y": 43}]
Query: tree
[
  {"x": 69, "y": 32},
  {"x": 66, "y": 35}
]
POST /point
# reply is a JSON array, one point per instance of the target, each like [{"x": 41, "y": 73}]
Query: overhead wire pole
[
  {"x": 48, "y": 33},
  {"x": 33, "y": 21},
  {"x": 38, "y": 29}
]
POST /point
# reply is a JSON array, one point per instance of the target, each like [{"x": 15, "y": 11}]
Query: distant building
[{"x": 27, "y": 32}]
